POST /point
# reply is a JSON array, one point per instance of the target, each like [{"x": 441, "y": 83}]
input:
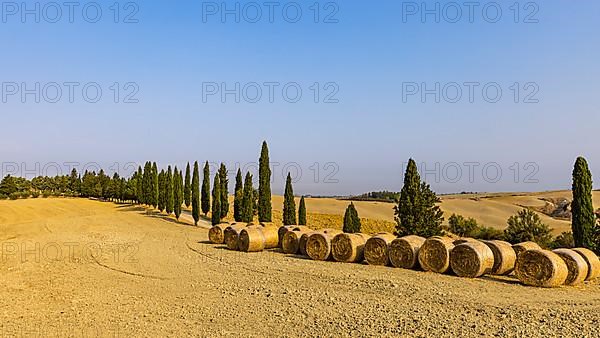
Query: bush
[
  {"x": 14, "y": 196},
  {"x": 489, "y": 233},
  {"x": 564, "y": 240},
  {"x": 463, "y": 227},
  {"x": 25, "y": 194},
  {"x": 527, "y": 226},
  {"x": 46, "y": 194},
  {"x": 35, "y": 194},
  {"x": 3, "y": 196}
]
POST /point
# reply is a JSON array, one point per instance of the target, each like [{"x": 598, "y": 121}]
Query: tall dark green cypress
[
  {"x": 196, "y": 194},
  {"x": 216, "y": 200},
  {"x": 206, "y": 190},
  {"x": 247, "y": 211},
  {"x": 238, "y": 196},
  {"x": 161, "y": 191},
  {"x": 148, "y": 184},
  {"x": 139, "y": 186},
  {"x": 187, "y": 188},
  {"x": 289, "y": 205},
  {"x": 417, "y": 212},
  {"x": 582, "y": 209},
  {"x": 177, "y": 192},
  {"x": 169, "y": 185},
  {"x": 154, "y": 185},
  {"x": 302, "y": 212},
  {"x": 224, "y": 190},
  {"x": 351, "y": 220},
  {"x": 264, "y": 185}
]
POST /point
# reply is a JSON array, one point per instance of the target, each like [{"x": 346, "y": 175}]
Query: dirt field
[{"x": 87, "y": 268}]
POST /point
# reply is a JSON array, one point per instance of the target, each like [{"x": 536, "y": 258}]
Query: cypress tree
[
  {"x": 302, "y": 212},
  {"x": 289, "y": 205},
  {"x": 169, "y": 185},
  {"x": 139, "y": 191},
  {"x": 224, "y": 190},
  {"x": 206, "y": 190},
  {"x": 216, "y": 200},
  {"x": 161, "y": 191},
  {"x": 148, "y": 184},
  {"x": 196, "y": 194},
  {"x": 177, "y": 193},
  {"x": 583, "y": 218},
  {"x": 154, "y": 185},
  {"x": 247, "y": 211},
  {"x": 187, "y": 188},
  {"x": 264, "y": 185},
  {"x": 417, "y": 212},
  {"x": 351, "y": 220},
  {"x": 238, "y": 197}
]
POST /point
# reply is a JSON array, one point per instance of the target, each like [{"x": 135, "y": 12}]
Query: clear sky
[{"x": 370, "y": 60}]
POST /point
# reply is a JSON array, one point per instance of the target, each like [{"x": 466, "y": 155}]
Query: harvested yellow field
[{"x": 87, "y": 268}]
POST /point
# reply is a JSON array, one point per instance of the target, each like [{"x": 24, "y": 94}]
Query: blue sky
[{"x": 369, "y": 59}]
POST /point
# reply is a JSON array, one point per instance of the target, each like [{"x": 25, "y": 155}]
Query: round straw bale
[
  {"x": 284, "y": 229},
  {"x": 231, "y": 235},
  {"x": 252, "y": 239},
  {"x": 464, "y": 240},
  {"x": 541, "y": 268},
  {"x": 376, "y": 249},
  {"x": 471, "y": 259},
  {"x": 592, "y": 261},
  {"x": 318, "y": 245},
  {"x": 270, "y": 233},
  {"x": 504, "y": 257},
  {"x": 302, "y": 242},
  {"x": 291, "y": 240},
  {"x": 522, "y": 247},
  {"x": 216, "y": 233},
  {"x": 349, "y": 248},
  {"x": 577, "y": 266},
  {"x": 404, "y": 251},
  {"x": 434, "y": 254}
]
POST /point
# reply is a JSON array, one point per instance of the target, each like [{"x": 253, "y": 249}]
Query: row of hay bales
[{"x": 464, "y": 257}]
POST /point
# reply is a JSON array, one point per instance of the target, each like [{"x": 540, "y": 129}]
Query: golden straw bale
[
  {"x": 404, "y": 251},
  {"x": 216, "y": 233},
  {"x": 290, "y": 243},
  {"x": 504, "y": 257},
  {"x": 522, "y": 247},
  {"x": 231, "y": 235},
  {"x": 282, "y": 231},
  {"x": 578, "y": 267},
  {"x": 349, "y": 248},
  {"x": 541, "y": 268},
  {"x": 434, "y": 254},
  {"x": 376, "y": 249},
  {"x": 318, "y": 245},
  {"x": 471, "y": 259},
  {"x": 252, "y": 239},
  {"x": 592, "y": 261},
  {"x": 271, "y": 234}
]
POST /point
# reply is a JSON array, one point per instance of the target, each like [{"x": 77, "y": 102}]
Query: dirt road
[{"x": 97, "y": 269}]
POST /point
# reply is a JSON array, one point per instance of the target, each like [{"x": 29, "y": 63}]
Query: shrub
[
  {"x": 14, "y": 196},
  {"x": 35, "y": 194},
  {"x": 46, "y": 194},
  {"x": 463, "y": 227},
  {"x": 527, "y": 226},
  {"x": 564, "y": 240},
  {"x": 488, "y": 233},
  {"x": 25, "y": 194}
]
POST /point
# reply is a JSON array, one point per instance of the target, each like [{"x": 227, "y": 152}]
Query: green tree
[
  {"x": 216, "y": 200},
  {"x": 525, "y": 226},
  {"x": 351, "y": 220},
  {"x": 139, "y": 184},
  {"x": 162, "y": 191},
  {"x": 224, "y": 190},
  {"x": 177, "y": 192},
  {"x": 302, "y": 212},
  {"x": 463, "y": 227},
  {"x": 264, "y": 185},
  {"x": 583, "y": 219},
  {"x": 289, "y": 205},
  {"x": 206, "y": 190},
  {"x": 196, "y": 194},
  {"x": 169, "y": 185},
  {"x": 148, "y": 184},
  {"x": 238, "y": 196},
  {"x": 248, "y": 200},
  {"x": 154, "y": 185},
  {"x": 187, "y": 188},
  {"x": 417, "y": 212}
]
